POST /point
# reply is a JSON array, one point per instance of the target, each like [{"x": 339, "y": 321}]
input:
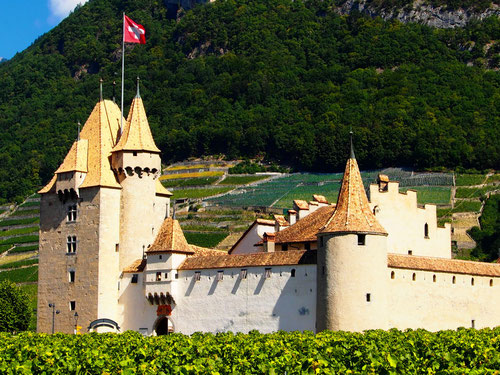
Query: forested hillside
[{"x": 284, "y": 79}]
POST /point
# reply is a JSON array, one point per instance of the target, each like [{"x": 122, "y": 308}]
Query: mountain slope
[{"x": 285, "y": 78}]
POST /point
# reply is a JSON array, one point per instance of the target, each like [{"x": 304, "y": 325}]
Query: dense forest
[
  {"x": 488, "y": 236},
  {"x": 284, "y": 80}
]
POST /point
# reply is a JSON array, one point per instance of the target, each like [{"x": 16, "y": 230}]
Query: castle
[{"x": 111, "y": 258}]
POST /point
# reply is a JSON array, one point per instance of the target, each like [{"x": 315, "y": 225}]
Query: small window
[
  {"x": 197, "y": 276},
  {"x": 134, "y": 153},
  {"x": 473, "y": 323},
  {"x": 491, "y": 282},
  {"x": 72, "y": 212},
  {"x": 453, "y": 280},
  {"x": 176, "y": 275},
  {"x": 158, "y": 276},
  {"x": 361, "y": 239},
  {"x": 410, "y": 252},
  {"x": 160, "y": 257},
  {"x": 135, "y": 278},
  {"x": 308, "y": 246},
  {"x": 71, "y": 244},
  {"x": 267, "y": 273},
  {"x": 472, "y": 281},
  {"x": 284, "y": 247},
  {"x": 426, "y": 230},
  {"x": 393, "y": 275},
  {"x": 243, "y": 273},
  {"x": 368, "y": 297},
  {"x": 292, "y": 273},
  {"x": 414, "y": 277},
  {"x": 433, "y": 278},
  {"x": 220, "y": 275},
  {"x": 71, "y": 275},
  {"x": 166, "y": 275},
  {"x": 117, "y": 247},
  {"x": 72, "y": 305}
]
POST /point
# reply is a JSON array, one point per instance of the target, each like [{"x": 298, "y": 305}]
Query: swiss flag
[{"x": 133, "y": 32}]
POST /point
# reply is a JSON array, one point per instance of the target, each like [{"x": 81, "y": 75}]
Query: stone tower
[
  {"x": 95, "y": 216},
  {"x": 137, "y": 164},
  {"x": 352, "y": 262}
]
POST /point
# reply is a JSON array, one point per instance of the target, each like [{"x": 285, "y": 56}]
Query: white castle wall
[
  {"x": 254, "y": 235},
  {"x": 401, "y": 217},
  {"x": 441, "y": 304}
]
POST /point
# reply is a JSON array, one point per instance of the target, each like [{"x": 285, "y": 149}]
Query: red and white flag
[{"x": 133, "y": 32}]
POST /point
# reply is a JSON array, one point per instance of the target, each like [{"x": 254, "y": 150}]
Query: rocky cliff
[{"x": 422, "y": 12}]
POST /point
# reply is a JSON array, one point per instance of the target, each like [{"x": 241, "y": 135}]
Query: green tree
[{"x": 14, "y": 309}]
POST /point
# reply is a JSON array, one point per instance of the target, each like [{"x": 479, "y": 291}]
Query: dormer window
[{"x": 72, "y": 213}]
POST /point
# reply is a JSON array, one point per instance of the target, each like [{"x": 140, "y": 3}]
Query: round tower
[
  {"x": 352, "y": 262},
  {"x": 136, "y": 161}
]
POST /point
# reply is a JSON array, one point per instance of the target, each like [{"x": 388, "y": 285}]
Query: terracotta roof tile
[
  {"x": 280, "y": 258},
  {"x": 203, "y": 251},
  {"x": 170, "y": 238},
  {"x": 265, "y": 222},
  {"x": 136, "y": 133},
  {"x": 292, "y": 211},
  {"x": 101, "y": 130},
  {"x": 301, "y": 204},
  {"x": 383, "y": 178},
  {"x": 443, "y": 265},
  {"x": 137, "y": 266},
  {"x": 280, "y": 219},
  {"x": 305, "y": 230},
  {"x": 320, "y": 198},
  {"x": 76, "y": 158},
  {"x": 49, "y": 186},
  {"x": 353, "y": 213}
]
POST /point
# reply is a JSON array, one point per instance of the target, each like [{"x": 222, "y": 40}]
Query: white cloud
[{"x": 61, "y": 8}]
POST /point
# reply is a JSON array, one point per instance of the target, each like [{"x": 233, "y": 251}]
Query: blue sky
[{"x": 25, "y": 20}]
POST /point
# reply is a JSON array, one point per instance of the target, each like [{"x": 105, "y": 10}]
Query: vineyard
[{"x": 465, "y": 351}]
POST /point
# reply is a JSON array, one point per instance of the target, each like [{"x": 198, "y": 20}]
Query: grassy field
[
  {"x": 205, "y": 239},
  {"x": 19, "y": 263},
  {"x": 31, "y": 204},
  {"x": 25, "y": 212},
  {"x": 23, "y": 249},
  {"x": 469, "y": 179},
  {"x": 431, "y": 194},
  {"x": 20, "y": 275},
  {"x": 463, "y": 192},
  {"x": 182, "y": 182},
  {"x": 14, "y": 258},
  {"x": 13, "y": 232},
  {"x": 31, "y": 220},
  {"x": 467, "y": 206},
  {"x": 22, "y": 239},
  {"x": 241, "y": 180},
  {"x": 191, "y": 175},
  {"x": 199, "y": 193}
]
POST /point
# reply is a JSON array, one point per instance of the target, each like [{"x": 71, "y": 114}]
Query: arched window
[
  {"x": 393, "y": 274},
  {"x": 426, "y": 230}
]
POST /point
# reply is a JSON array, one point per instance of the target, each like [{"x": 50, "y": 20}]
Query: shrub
[{"x": 14, "y": 309}]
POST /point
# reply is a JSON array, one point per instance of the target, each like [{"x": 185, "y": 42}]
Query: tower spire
[
  {"x": 78, "y": 134},
  {"x": 352, "y": 147},
  {"x": 138, "y": 95},
  {"x": 100, "y": 89},
  {"x": 114, "y": 87}
]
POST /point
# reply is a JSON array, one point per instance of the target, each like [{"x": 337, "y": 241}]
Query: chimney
[
  {"x": 292, "y": 216},
  {"x": 313, "y": 206},
  {"x": 382, "y": 181},
  {"x": 302, "y": 207},
  {"x": 269, "y": 239},
  {"x": 280, "y": 222}
]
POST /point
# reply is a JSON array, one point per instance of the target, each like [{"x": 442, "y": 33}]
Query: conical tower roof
[
  {"x": 101, "y": 130},
  {"x": 170, "y": 238},
  {"x": 136, "y": 133},
  {"x": 353, "y": 213},
  {"x": 76, "y": 159}
]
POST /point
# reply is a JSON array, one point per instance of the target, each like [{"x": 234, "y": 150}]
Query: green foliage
[
  {"x": 466, "y": 206},
  {"x": 280, "y": 79},
  {"x": 20, "y": 239},
  {"x": 13, "y": 232},
  {"x": 248, "y": 167},
  {"x": 209, "y": 240},
  {"x": 24, "y": 249},
  {"x": 182, "y": 182},
  {"x": 488, "y": 237},
  {"x": 31, "y": 220},
  {"x": 20, "y": 263},
  {"x": 31, "y": 290},
  {"x": 473, "y": 192},
  {"x": 469, "y": 179},
  {"x": 14, "y": 308},
  {"x": 25, "y": 212},
  {"x": 373, "y": 352},
  {"x": 31, "y": 204},
  {"x": 199, "y": 193},
  {"x": 20, "y": 275},
  {"x": 241, "y": 180},
  {"x": 431, "y": 194}
]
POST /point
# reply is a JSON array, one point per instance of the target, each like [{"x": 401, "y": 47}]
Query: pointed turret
[
  {"x": 136, "y": 133},
  {"x": 353, "y": 213},
  {"x": 170, "y": 239}
]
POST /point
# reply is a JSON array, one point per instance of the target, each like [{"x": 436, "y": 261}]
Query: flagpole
[{"x": 123, "y": 71}]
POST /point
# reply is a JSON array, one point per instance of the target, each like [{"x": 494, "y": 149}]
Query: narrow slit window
[
  {"x": 243, "y": 273},
  {"x": 433, "y": 278},
  {"x": 393, "y": 275},
  {"x": 454, "y": 280},
  {"x": 72, "y": 305},
  {"x": 71, "y": 276},
  {"x": 491, "y": 282},
  {"x": 361, "y": 239},
  {"x": 414, "y": 277},
  {"x": 368, "y": 297},
  {"x": 472, "y": 281},
  {"x": 220, "y": 275},
  {"x": 176, "y": 275},
  {"x": 197, "y": 276},
  {"x": 267, "y": 273},
  {"x": 117, "y": 247},
  {"x": 426, "y": 230}
]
